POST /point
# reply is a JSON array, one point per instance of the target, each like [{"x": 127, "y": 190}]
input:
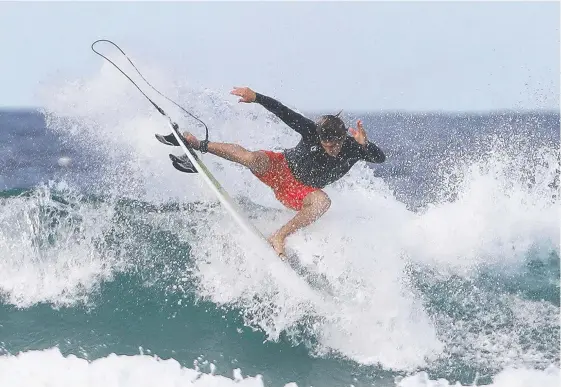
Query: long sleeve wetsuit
[{"x": 308, "y": 161}]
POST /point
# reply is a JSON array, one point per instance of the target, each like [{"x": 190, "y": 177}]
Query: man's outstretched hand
[
  {"x": 359, "y": 134},
  {"x": 245, "y": 93}
]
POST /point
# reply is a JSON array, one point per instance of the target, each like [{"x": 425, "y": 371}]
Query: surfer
[{"x": 324, "y": 154}]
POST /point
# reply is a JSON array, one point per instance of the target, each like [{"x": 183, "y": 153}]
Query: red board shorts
[{"x": 287, "y": 189}]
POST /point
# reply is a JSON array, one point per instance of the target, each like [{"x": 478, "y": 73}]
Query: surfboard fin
[
  {"x": 182, "y": 164},
  {"x": 168, "y": 140}
]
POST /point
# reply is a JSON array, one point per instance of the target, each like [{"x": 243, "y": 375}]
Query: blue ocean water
[{"x": 440, "y": 266}]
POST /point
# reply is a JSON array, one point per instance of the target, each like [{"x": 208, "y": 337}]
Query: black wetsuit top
[{"x": 308, "y": 161}]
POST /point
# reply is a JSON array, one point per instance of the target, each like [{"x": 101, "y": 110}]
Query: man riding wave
[{"x": 326, "y": 152}]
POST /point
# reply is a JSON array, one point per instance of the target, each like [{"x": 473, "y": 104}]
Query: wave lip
[{"x": 51, "y": 248}]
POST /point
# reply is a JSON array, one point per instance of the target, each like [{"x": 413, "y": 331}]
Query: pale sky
[{"x": 313, "y": 55}]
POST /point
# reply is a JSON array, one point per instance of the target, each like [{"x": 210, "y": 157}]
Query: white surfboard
[{"x": 313, "y": 280}]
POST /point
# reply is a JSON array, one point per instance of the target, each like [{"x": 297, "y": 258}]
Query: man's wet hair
[{"x": 331, "y": 127}]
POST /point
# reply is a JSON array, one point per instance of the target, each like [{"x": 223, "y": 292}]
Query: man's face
[{"x": 333, "y": 147}]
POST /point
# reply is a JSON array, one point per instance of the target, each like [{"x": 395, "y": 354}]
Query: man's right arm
[{"x": 298, "y": 122}]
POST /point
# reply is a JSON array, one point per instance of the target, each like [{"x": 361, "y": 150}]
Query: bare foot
[{"x": 278, "y": 244}]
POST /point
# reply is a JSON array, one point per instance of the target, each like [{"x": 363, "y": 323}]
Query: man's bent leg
[
  {"x": 315, "y": 204},
  {"x": 256, "y": 161}
]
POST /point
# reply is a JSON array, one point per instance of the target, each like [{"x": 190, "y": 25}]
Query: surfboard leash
[{"x": 204, "y": 143}]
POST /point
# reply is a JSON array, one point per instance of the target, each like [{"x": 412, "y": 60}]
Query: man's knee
[
  {"x": 257, "y": 161},
  {"x": 325, "y": 202},
  {"x": 319, "y": 200}
]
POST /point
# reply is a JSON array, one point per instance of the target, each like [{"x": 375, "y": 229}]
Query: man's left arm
[{"x": 372, "y": 153}]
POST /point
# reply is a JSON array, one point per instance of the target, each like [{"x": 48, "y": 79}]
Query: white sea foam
[{"x": 49, "y": 367}]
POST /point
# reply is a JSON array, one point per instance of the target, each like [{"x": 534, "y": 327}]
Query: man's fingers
[
  {"x": 245, "y": 93},
  {"x": 238, "y": 91},
  {"x": 360, "y": 127}
]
